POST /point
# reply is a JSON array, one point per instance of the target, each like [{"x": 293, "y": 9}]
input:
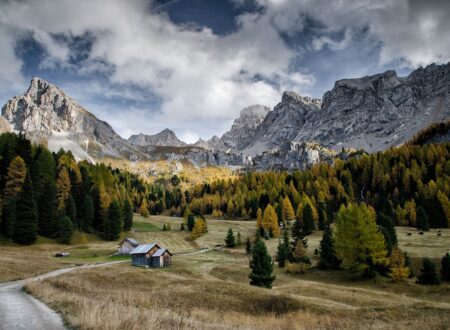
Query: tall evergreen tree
[
  {"x": 248, "y": 245},
  {"x": 46, "y": 203},
  {"x": 71, "y": 210},
  {"x": 127, "y": 215},
  {"x": 284, "y": 248},
  {"x": 190, "y": 222},
  {"x": 422, "y": 222},
  {"x": 230, "y": 241},
  {"x": 428, "y": 273},
  {"x": 113, "y": 224},
  {"x": 62, "y": 189},
  {"x": 65, "y": 230},
  {"x": 387, "y": 228},
  {"x": 261, "y": 266},
  {"x": 26, "y": 226},
  {"x": 87, "y": 213},
  {"x": 9, "y": 216},
  {"x": 308, "y": 220},
  {"x": 328, "y": 258}
]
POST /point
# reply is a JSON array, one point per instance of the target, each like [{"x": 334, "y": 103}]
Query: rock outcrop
[{"x": 166, "y": 137}]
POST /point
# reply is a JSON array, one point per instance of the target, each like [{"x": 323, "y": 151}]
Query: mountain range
[{"x": 372, "y": 113}]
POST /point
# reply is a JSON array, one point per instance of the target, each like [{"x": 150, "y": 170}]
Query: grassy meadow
[{"x": 210, "y": 290}]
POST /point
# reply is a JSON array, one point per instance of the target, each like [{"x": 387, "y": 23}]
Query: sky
[{"x": 192, "y": 65}]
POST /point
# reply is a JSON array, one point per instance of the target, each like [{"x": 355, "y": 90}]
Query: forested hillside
[{"x": 52, "y": 195}]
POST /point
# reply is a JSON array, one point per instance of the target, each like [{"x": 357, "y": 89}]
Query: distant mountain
[
  {"x": 371, "y": 113},
  {"x": 47, "y": 115},
  {"x": 163, "y": 138}
]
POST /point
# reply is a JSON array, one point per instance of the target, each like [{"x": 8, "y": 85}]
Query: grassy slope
[{"x": 210, "y": 290}]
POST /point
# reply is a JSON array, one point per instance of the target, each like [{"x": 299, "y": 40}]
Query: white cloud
[{"x": 202, "y": 79}]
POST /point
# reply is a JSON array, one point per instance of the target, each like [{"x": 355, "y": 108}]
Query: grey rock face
[
  {"x": 380, "y": 111},
  {"x": 163, "y": 138},
  {"x": 47, "y": 115},
  {"x": 242, "y": 132}
]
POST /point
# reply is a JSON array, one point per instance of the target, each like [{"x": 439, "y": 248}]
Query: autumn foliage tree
[{"x": 359, "y": 243}]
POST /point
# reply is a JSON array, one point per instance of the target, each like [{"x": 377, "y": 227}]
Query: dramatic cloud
[{"x": 140, "y": 71}]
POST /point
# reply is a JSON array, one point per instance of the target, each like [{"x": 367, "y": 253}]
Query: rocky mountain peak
[
  {"x": 289, "y": 96},
  {"x": 166, "y": 137}
]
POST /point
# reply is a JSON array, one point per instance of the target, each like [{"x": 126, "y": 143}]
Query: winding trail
[{"x": 19, "y": 310}]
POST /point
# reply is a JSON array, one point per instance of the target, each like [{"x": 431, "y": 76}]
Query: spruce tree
[
  {"x": 71, "y": 210},
  {"x": 445, "y": 263},
  {"x": 113, "y": 225},
  {"x": 261, "y": 266},
  {"x": 190, "y": 222},
  {"x": 65, "y": 230},
  {"x": 230, "y": 241},
  {"x": 428, "y": 274},
  {"x": 127, "y": 216},
  {"x": 387, "y": 228},
  {"x": 238, "y": 239},
  {"x": 328, "y": 258},
  {"x": 422, "y": 221},
  {"x": 248, "y": 245},
  {"x": 26, "y": 226},
  {"x": 308, "y": 220},
  {"x": 284, "y": 248},
  {"x": 47, "y": 208},
  {"x": 9, "y": 217},
  {"x": 87, "y": 213}
]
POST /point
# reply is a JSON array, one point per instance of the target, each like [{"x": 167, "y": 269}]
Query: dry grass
[{"x": 211, "y": 291}]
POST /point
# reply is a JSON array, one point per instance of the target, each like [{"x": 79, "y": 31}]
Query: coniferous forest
[{"x": 52, "y": 195}]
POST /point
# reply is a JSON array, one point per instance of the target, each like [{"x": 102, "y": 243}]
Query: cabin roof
[
  {"x": 143, "y": 248},
  {"x": 160, "y": 252},
  {"x": 131, "y": 240}
]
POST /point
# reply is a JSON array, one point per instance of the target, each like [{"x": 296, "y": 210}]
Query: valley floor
[{"x": 210, "y": 290}]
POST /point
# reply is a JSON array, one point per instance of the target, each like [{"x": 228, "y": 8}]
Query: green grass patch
[{"x": 145, "y": 227}]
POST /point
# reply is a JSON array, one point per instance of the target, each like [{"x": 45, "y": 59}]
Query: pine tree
[
  {"x": 47, "y": 208},
  {"x": 397, "y": 265},
  {"x": 113, "y": 225},
  {"x": 359, "y": 243},
  {"x": 445, "y": 263},
  {"x": 71, "y": 210},
  {"x": 248, "y": 245},
  {"x": 284, "y": 248},
  {"x": 238, "y": 239},
  {"x": 190, "y": 222},
  {"x": 428, "y": 273},
  {"x": 328, "y": 258},
  {"x": 230, "y": 241},
  {"x": 164, "y": 227},
  {"x": 9, "y": 217},
  {"x": 26, "y": 226},
  {"x": 65, "y": 230},
  {"x": 270, "y": 221},
  {"x": 127, "y": 216},
  {"x": 87, "y": 213},
  {"x": 387, "y": 228},
  {"x": 308, "y": 220},
  {"x": 408, "y": 263},
  {"x": 261, "y": 266},
  {"x": 422, "y": 222}
]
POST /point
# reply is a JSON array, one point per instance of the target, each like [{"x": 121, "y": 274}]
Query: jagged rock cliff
[
  {"x": 47, "y": 115},
  {"x": 166, "y": 137}
]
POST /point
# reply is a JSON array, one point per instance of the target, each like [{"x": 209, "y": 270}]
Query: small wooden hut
[
  {"x": 161, "y": 258},
  {"x": 127, "y": 245},
  {"x": 151, "y": 255}
]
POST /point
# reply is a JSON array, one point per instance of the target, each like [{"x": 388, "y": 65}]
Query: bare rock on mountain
[
  {"x": 214, "y": 143},
  {"x": 166, "y": 137},
  {"x": 4, "y": 125},
  {"x": 376, "y": 112},
  {"x": 47, "y": 115},
  {"x": 243, "y": 129}
]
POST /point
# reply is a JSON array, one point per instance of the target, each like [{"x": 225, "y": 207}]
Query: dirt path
[{"x": 19, "y": 310}]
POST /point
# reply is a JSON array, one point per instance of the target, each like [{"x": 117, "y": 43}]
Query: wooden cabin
[
  {"x": 150, "y": 255},
  {"x": 127, "y": 245},
  {"x": 161, "y": 258}
]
